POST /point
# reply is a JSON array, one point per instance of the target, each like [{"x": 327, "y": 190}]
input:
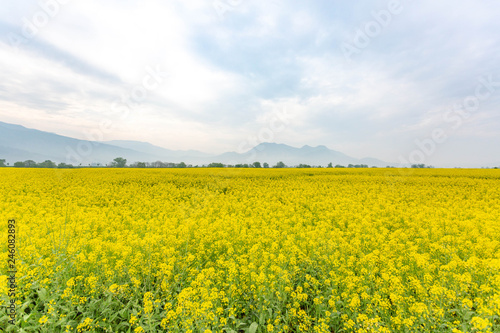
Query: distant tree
[
  {"x": 138, "y": 165},
  {"x": 256, "y": 165},
  {"x": 119, "y": 162},
  {"x": 215, "y": 165},
  {"x": 418, "y": 166},
  {"x": 339, "y": 166},
  {"x": 156, "y": 164},
  {"x": 180, "y": 165},
  {"x": 2, "y": 163},
  {"x": 303, "y": 166},
  {"x": 30, "y": 164},
  {"x": 19, "y": 164},
  {"x": 47, "y": 164},
  {"x": 64, "y": 166},
  {"x": 280, "y": 165},
  {"x": 265, "y": 165},
  {"x": 330, "y": 165}
]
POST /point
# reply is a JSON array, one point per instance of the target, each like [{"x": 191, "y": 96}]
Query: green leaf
[
  {"x": 42, "y": 293},
  {"x": 123, "y": 325},
  {"x": 253, "y": 327}
]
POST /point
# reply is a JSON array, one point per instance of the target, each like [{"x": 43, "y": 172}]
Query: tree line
[
  {"x": 33, "y": 164},
  {"x": 121, "y": 162}
]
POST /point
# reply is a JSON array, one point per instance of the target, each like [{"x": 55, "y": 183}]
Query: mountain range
[{"x": 18, "y": 143}]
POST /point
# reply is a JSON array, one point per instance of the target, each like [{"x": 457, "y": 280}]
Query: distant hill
[
  {"x": 18, "y": 143},
  {"x": 274, "y": 152}
]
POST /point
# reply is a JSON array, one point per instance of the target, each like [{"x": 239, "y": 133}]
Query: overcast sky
[{"x": 368, "y": 78}]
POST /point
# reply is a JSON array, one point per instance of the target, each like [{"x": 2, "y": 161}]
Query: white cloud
[{"x": 225, "y": 78}]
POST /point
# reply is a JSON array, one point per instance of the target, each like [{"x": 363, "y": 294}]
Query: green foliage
[
  {"x": 357, "y": 166},
  {"x": 280, "y": 165},
  {"x": 138, "y": 165},
  {"x": 65, "y": 166},
  {"x": 47, "y": 164},
  {"x": 216, "y": 165},
  {"x": 30, "y": 164},
  {"x": 119, "y": 162},
  {"x": 420, "y": 166}
]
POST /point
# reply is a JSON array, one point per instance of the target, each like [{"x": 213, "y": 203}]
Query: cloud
[{"x": 225, "y": 74}]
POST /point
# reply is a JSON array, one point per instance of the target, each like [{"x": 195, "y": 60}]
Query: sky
[{"x": 402, "y": 81}]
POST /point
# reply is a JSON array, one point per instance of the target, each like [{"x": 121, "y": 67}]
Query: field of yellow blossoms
[{"x": 253, "y": 250}]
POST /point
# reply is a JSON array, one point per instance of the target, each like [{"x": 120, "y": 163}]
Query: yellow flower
[
  {"x": 114, "y": 288},
  {"x": 148, "y": 303},
  {"x": 467, "y": 302},
  {"x": 71, "y": 282},
  {"x": 479, "y": 323},
  {"x": 379, "y": 250},
  {"x": 85, "y": 325}
]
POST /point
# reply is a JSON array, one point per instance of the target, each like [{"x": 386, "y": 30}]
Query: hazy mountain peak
[
  {"x": 270, "y": 144},
  {"x": 18, "y": 143},
  {"x": 320, "y": 147}
]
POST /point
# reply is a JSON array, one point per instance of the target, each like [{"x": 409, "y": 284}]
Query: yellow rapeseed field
[{"x": 253, "y": 250}]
